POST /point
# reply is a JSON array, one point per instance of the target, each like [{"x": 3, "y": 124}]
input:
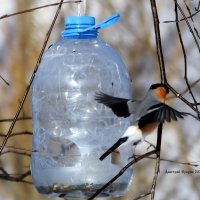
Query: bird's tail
[{"x": 115, "y": 146}]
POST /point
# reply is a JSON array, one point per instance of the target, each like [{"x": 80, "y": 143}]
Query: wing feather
[
  {"x": 161, "y": 114},
  {"x": 167, "y": 114},
  {"x": 118, "y": 105}
]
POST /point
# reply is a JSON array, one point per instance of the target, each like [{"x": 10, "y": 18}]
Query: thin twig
[
  {"x": 142, "y": 195},
  {"x": 4, "y": 171},
  {"x": 17, "y": 148},
  {"x": 155, "y": 178},
  {"x": 20, "y": 178},
  {"x": 188, "y": 24},
  {"x": 32, "y": 78},
  {"x": 190, "y": 13},
  {"x": 184, "y": 54},
  {"x": 158, "y": 41},
  {"x": 180, "y": 20},
  {"x": 157, "y": 168},
  {"x": 4, "y": 80},
  {"x": 36, "y": 8},
  {"x": 121, "y": 172},
  {"x": 18, "y": 119},
  {"x": 186, "y": 90},
  {"x": 163, "y": 79},
  {"x": 181, "y": 163},
  {"x": 17, "y": 134},
  {"x": 178, "y": 95},
  {"x": 177, "y": 162},
  {"x": 160, "y": 56},
  {"x": 16, "y": 152},
  {"x": 198, "y": 7},
  {"x": 191, "y": 105}
]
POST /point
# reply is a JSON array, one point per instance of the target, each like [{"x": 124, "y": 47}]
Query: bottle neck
[
  {"x": 84, "y": 27},
  {"x": 80, "y": 27},
  {"x": 82, "y": 35}
]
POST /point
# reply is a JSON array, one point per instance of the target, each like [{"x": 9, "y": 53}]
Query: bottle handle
[{"x": 104, "y": 24}]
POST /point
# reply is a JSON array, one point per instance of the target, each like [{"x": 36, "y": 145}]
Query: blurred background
[{"x": 21, "y": 40}]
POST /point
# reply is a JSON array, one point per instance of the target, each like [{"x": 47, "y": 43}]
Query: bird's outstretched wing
[
  {"x": 118, "y": 105},
  {"x": 160, "y": 113}
]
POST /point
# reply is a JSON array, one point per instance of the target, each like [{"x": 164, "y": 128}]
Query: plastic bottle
[{"x": 70, "y": 129}]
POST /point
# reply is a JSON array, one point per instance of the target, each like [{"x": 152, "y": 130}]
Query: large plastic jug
[{"x": 70, "y": 129}]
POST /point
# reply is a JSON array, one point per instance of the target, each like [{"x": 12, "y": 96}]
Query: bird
[{"x": 147, "y": 113}]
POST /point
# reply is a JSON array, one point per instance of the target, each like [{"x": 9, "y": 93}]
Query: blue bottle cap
[
  {"x": 85, "y": 27},
  {"x": 74, "y": 26}
]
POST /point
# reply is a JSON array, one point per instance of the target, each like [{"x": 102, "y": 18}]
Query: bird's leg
[{"x": 150, "y": 145}]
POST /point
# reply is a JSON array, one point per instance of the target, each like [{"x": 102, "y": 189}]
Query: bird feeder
[{"x": 70, "y": 129}]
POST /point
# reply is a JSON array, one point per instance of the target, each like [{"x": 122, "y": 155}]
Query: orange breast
[{"x": 161, "y": 93}]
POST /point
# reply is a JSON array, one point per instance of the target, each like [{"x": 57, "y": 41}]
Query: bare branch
[
  {"x": 188, "y": 24},
  {"x": 177, "y": 162},
  {"x": 157, "y": 152},
  {"x": 17, "y": 148},
  {"x": 16, "y": 152},
  {"x": 178, "y": 95},
  {"x": 159, "y": 135},
  {"x": 183, "y": 19},
  {"x": 36, "y": 8},
  {"x": 158, "y": 41},
  {"x": 184, "y": 54},
  {"x": 121, "y": 172},
  {"x": 32, "y": 78},
  {"x": 18, "y": 119},
  {"x": 142, "y": 195},
  {"x": 155, "y": 178},
  {"x": 186, "y": 90},
  {"x": 20, "y": 178},
  {"x": 161, "y": 59},
  {"x": 157, "y": 168},
  {"x": 190, "y": 13},
  {"x": 181, "y": 163},
  {"x": 17, "y": 134},
  {"x": 160, "y": 54},
  {"x": 198, "y": 7},
  {"x": 4, "y": 80}
]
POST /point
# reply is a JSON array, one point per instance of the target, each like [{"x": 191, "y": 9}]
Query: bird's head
[{"x": 161, "y": 90}]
